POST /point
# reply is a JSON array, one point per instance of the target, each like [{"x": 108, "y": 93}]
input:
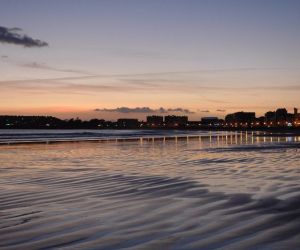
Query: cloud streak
[
  {"x": 35, "y": 65},
  {"x": 144, "y": 110},
  {"x": 11, "y": 36}
]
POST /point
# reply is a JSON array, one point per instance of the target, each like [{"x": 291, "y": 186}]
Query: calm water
[{"x": 220, "y": 192}]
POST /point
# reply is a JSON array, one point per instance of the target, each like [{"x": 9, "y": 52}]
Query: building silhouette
[
  {"x": 281, "y": 115},
  {"x": 176, "y": 121},
  {"x": 272, "y": 119},
  {"x": 281, "y": 118},
  {"x": 210, "y": 121},
  {"x": 241, "y": 118},
  {"x": 155, "y": 121},
  {"x": 270, "y": 116},
  {"x": 128, "y": 123},
  {"x": 296, "y": 117}
]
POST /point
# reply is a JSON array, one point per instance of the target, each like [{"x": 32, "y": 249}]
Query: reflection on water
[
  {"x": 208, "y": 191},
  {"x": 8, "y": 137}
]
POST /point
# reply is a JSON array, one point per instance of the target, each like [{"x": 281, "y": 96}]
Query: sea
[{"x": 149, "y": 189}]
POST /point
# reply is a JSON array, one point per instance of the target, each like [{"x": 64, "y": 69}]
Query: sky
[{"x": 132, "y": 58}]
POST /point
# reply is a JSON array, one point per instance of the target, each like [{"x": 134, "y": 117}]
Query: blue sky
[{"x": 197, "y": 55}]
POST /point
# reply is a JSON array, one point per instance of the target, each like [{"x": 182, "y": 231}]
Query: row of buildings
[
  {"x": 155, "y": 121},
  {"x": 277, "y": 119}
]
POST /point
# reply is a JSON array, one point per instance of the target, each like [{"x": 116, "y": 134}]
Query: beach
[{"x": 158, "y": 191}]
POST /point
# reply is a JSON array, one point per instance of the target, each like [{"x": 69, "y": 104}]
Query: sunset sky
[{"x": 129, "y": 58}]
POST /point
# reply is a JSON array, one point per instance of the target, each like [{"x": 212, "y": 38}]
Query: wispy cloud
[
  {"x": 56, "y": 86},
  {"x": 221, "y": 110},
  {"x": 43, "y": 66},
  {"x": 145, "y": 110},
  {"x": 12, "y": 36}
]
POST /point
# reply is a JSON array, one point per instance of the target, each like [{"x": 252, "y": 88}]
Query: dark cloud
[
  {"x": 221, "y": 110},
  {"x": 128, "y": 110},
  {"x": 145, "y": 110},
  {"x": 162, "y": 110},
  {"x": 10, "y": 35},
  {"x": 181, "y": 110}
]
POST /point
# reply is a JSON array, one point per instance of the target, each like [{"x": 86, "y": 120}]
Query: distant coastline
[{"x": 273, "y": 120}]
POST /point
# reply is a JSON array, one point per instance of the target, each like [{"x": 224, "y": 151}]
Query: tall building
[
  {"x": 270, "y": 116},
  {"x": 155, "y": 121},
  {"x": 295, "y": 112},
  {"x": 296, "y": 117},
  {"x": 240, "y": 117},
  {"x": 281, "y": 115},
  {"x": 210, "y": 121},
  {"x": 174, "y": 121}
]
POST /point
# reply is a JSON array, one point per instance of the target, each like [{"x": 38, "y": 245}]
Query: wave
[{"x": 15, "y": 136}]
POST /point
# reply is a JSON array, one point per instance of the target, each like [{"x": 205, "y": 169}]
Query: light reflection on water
[
  {"x": 49, "y": 136},
  {"x": 230, "y": 190}
]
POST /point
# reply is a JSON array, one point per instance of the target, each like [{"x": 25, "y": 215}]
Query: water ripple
[{"x": 165, "y": 195}]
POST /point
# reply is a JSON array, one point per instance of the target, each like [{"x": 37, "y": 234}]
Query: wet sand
[{"x": 213, "y": 193}]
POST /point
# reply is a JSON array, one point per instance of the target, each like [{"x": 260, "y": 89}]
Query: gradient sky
[{"x": 210, "y": 57}]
